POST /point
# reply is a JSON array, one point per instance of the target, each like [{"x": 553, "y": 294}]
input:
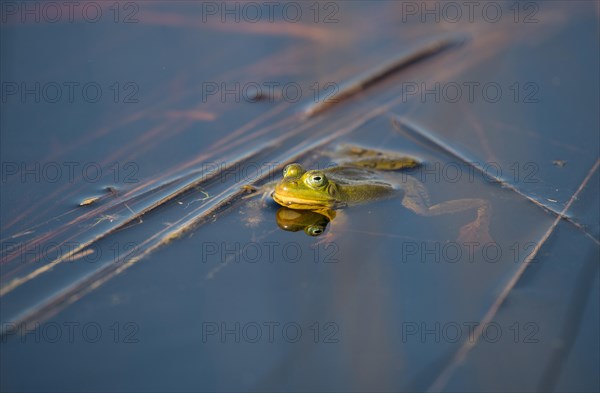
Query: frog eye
[
  {"x": 316, "y": 179},
  {"x": 314, "y": 230},
  {"x": 293, "y": 170}
]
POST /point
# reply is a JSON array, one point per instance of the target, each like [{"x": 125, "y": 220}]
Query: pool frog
[{"x": 363, "y": 175}]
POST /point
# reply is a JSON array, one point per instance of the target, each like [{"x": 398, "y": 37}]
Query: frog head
[{"x": 301, "y": 189}]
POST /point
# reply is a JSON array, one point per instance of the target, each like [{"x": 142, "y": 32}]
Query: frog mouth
[{"x": 298, "y": 203}]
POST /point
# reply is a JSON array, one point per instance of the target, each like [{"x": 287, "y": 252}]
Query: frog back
[{"x": 356, "y": 185}]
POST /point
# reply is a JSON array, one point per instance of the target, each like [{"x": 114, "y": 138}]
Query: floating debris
[
  {"x": 206, "y": 196},
  {"x": 559, "y": 163},
  {"x": 105, "y": 217},
  {"x": 112, "y": 191},
  {"x": 89, "y": 201},
  {"x": 248, "y": 188}
]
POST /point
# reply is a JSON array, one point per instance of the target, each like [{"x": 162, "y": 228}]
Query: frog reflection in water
[
  {"x": 365, "y": 175},
  {"x": 311, "y": 222}
]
